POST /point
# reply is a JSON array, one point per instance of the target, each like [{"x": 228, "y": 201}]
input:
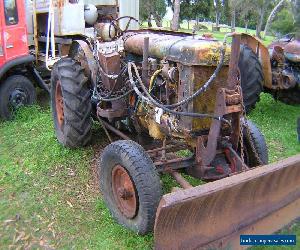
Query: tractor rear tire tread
[
  {"x": 251, "y": 77},
  {"x": 76, "y": 131}
]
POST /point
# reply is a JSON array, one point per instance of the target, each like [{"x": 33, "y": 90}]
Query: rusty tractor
[
  {"x": 285, "y": 65},
  {"x": 176, "y": 101}
]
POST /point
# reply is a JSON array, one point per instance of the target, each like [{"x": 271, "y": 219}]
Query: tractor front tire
[
  {"x": 71, "y": 104},
  {"x": 15, "y": 91},
  {"x": 257, "y": 149},
  {"x": 251, "y": 77},
  {"x": 130, "y": 185}
]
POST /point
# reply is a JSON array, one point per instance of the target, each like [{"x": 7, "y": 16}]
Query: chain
[
  {"x": 248, "y": 133},
  {"x": 242, "y": 142}
]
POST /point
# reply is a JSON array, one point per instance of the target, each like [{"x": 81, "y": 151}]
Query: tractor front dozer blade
[{"x": 214, "y": 215}]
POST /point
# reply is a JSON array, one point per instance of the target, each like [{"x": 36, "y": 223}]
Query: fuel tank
[{"x": 179, "y": 47}]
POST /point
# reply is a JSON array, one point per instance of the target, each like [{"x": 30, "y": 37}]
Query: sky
[{"x": 169, "y": 14}]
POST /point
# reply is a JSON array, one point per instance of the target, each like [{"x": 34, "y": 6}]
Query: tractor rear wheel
[
  {"x": 71, "y": 103},
  {"x": 251, "y": 77},
  {"x": 130, "y": 185},
  {"x": 15, "y": 91}
]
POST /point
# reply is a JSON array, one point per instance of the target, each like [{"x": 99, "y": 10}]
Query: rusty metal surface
[
  {"x": 215, "y": 214},
  {"x": 88, "y": 61},
  {"x": 114, "y": 130},
  {"x": 175, "y": 163},
  {"x": 180, "y": 179},
  {"x": 184, "y": 49},
  {"x": 292, "y": 51},
  {"x": 59, "y": 104},
  {"x": 115, "y": 109},
  {"x": 145, "y": 63},
  {"x": 124, "y": 192},
  {"x": 284, "y": 54},
  {"x": 111, "y": 65}
]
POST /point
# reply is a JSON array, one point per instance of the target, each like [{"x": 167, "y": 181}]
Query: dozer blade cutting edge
[{"x": 214, "y": 215}]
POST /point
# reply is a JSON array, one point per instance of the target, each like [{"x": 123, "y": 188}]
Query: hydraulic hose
[
  {"x": 208, "y": 83},
  {"x": 149, "y": 98},
  {"x": 153, "y": 77}
]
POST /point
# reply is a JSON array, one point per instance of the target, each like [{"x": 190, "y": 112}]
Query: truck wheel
[
  {"x": 251, "y": 77},
  {"x": 130, "y": 185},
  {"x": 15, "y": 91},
  {"x": 259, "y": 144},
  {"x": 71, "y": 104}
]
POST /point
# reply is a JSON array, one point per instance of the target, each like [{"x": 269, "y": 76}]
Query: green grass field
[{"x": 49, "y": 194}]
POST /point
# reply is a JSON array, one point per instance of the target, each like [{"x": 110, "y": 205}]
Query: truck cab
[{"x": 16, "y": 88}]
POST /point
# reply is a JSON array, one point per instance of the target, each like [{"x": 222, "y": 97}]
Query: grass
[{"x": 49, "y": 194}]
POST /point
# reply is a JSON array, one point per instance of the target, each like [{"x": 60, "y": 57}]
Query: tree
[
  {"x": 218, "y": 11},
  {"x": 176, "y": 13},
  {"x": 283, "y": 22},
  {"x": 296, "y": 8},
  {"x": 194, "y": 9},
  {"x": 234, "y": 5},
  {"x": 254, "y": 9},
  {"x": 187, "y": 12},
  {"x": 276, "y": 9},
  {"x": 155, "y": 9},
  {"x": 262, "y": 8}
]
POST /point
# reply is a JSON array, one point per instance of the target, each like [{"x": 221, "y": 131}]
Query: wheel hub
[
  {"x": 59, "y": 104},
  {"x": 17, "y": 98},
  {"x": 124, "y": 191}
]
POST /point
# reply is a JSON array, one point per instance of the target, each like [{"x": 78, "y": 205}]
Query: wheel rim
[
  {"x": 17, "y": 98},
  {"x": 124, "y": 191},
  {"x": 59, "y": 104}
]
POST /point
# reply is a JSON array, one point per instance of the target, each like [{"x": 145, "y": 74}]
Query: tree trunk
[
  {"x": 233, "y": 16},
  {"x": 297, "y": 19},
  {"x": 175, "y": 20},
  {"x": 246, "y": 25},
  {"x": 261, "y": 17},
  {"x": 157, "y": 19},
  {"x": 218, "y": 14},
  {"x": 272, "y": 15},
  {"x": 149, "y": 21}
]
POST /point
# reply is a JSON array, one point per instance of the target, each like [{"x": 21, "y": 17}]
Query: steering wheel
[{"x": 116, "y": 24}]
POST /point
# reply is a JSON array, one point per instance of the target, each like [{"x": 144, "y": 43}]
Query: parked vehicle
[
  {"x": 18, "y": 76},
  {"x": 285, "y": 64}
]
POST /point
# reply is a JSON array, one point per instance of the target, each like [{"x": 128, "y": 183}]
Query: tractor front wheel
[
  {"x": 255, "y": 147},
  {"x": 71, "y": 103},
  {"x": 16, "y": 91},
  {"x": 130, "y": 185}
]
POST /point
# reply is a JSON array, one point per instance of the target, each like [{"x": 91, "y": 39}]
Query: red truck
[{"x": 18, "y": 77}]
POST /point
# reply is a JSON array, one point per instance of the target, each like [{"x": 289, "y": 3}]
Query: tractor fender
[
  {"x": 89, "y": 63},
  {"x": 15, "y": 62},
  {"x": 263, "y": 54}
]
